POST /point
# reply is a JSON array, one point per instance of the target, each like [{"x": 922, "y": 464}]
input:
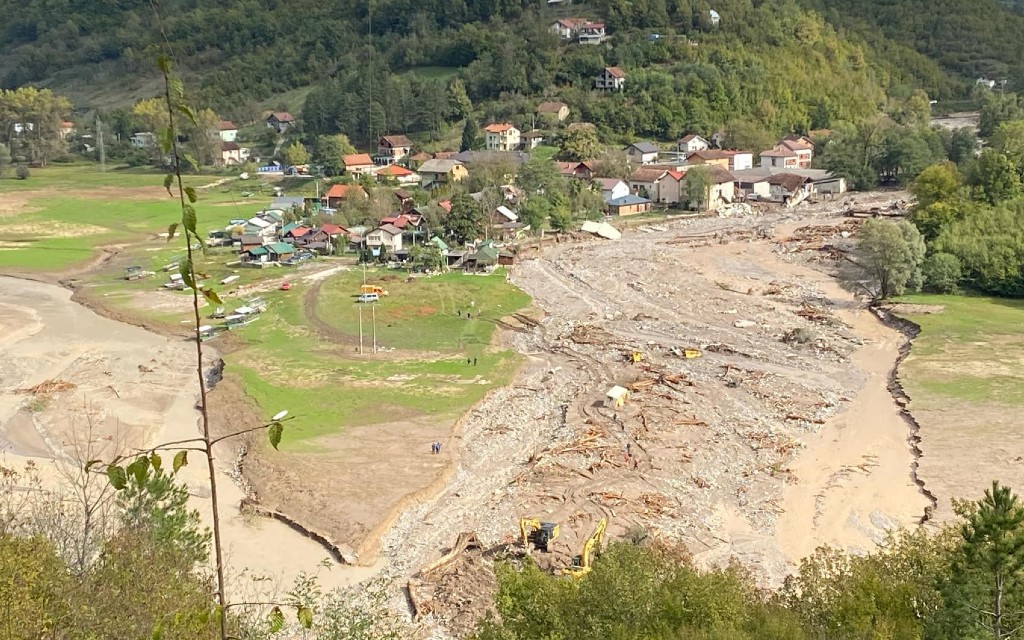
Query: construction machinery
[
  {"x": 538, "y": 534},
  {"x": 636, "y": 357},
  {"x": 581, "y": 564},
  {"x": 373, "y": 288}
]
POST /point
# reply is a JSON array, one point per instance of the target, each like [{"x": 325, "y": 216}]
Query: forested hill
[
  {"x": 783, "y": 63},
  {"x": 971, "y": 38}
]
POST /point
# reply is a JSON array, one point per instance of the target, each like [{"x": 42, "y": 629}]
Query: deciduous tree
[{"x": 887, "y": 259}]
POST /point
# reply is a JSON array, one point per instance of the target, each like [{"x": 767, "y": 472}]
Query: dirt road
[{"x": 131, "y": 388}]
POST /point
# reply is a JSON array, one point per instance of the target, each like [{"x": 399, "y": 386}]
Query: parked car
[{"x": 368, "y": 297}]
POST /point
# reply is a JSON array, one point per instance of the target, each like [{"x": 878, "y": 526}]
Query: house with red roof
[
  {"x": 280, "y": 121},
  {"x": 610, "y": 79},
  {"x": 567, "y": 28},
  {"x": 359, "y": 164},
  {"x": 592, "y": 33},
  {"x": 339, "y": 192},
  {"x": 502, "y": 136},
  {"x": 227, "y": 130},
  {"x": 391, "y": 149},
  {"x": 399, "y": 174}
]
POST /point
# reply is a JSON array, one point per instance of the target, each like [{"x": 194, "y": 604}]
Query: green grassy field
[
  {"x": 973, "y": 350},
  {"x": 327, "y": 385},
  {"x": 63, "y": 213}
]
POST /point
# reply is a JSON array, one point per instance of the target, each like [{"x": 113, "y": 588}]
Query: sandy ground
[
  {"x": 966, "y": 119},
  {"x": 139, "y": 390},
  {"x": 761, "y": 450}
]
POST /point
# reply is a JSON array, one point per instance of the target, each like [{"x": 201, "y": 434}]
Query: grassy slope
[{"x": 971, "y": 351}]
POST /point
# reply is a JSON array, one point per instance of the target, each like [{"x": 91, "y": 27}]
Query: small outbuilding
[{"x": 616, "y": 397}]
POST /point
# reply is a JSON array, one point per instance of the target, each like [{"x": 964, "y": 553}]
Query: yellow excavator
[
  {"x": 581, "y": 564},
  {"x": 537, "y": 533}
]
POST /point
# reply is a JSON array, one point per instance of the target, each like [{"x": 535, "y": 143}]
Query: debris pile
[{"x": 48, "y": 388}]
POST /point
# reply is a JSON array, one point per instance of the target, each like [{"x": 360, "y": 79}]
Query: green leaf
[
  {"x": 191, "y": 193},
  {"x": 180, "y": 460},
  {"x": 189, "y": 113},
  {"x": 211, "y": 296},
  {"x": 172, "y": 229},
  {"x": 117, "y": 477},
  {"x": 155, "y": 461},
  {"x": 164, "y": 63},
  {"x": 177, "y": 88},
  {"x": 168, "y": 181},
  {"x": 139, "y": 468},
  {"x": 275, "y": 432},
  {"x": 190, "y": 159},
  {"x": 92, "y": 463},
  {"x": 305, "y": 616},
  {"x": 166, "y": 139},
  {"x": 188, "y": 218},
  {"x": 276, "y": 619},
  {"x": 185, "y": 270}
]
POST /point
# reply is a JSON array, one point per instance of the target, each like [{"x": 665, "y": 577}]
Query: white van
[{"x": 369, "y": 297}]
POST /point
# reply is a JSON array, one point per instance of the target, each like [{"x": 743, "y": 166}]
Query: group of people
[{"x": 435, "y": 448}]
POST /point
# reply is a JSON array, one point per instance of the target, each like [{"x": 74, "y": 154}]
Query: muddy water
[{"x": 125, "y": 372}]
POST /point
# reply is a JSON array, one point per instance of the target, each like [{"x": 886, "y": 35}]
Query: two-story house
[
  {"x": 280, "y": 121},
  {"x": 227, "y": 130},
  {"x": 436, "y": 173},
  {"x": 502, "y": 137},
  {"x": 792, "y": 152},
  {"x": 391, "y": 149},
  {"x": 642, "y": 152},
  {"x": 592, "y": 33},
  {"x": 691, "y": 143},
  {"x": 232, "y": 153},
  {"x": 610, "y": 79},
  {"x": 567, "y": 28},
  {"x": 359, "y": 164}
]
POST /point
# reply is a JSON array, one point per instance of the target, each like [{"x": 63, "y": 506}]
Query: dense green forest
[{"x": 778, "y": 65}]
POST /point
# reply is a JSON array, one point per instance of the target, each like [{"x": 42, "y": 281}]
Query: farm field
[
  {"x": 965, "y": 378},
  {"x": 62, "y": 216}
]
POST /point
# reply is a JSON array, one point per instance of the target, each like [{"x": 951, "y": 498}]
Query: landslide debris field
[{"x": 782, "y": 436}]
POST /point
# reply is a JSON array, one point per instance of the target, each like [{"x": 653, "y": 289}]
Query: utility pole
[
  {"x": 99, "y": 142},
  {"x": 360, "y": 329},
  {"x": 373, "y": 308}
]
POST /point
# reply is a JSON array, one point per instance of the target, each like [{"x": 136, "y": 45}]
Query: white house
[
  {"x": 691, "y": 143},
  {"x": 143, "y": 140},
  {"x": 231, "y": 153},
  {"x": 612, "y": 188},
  {"x": 647, "y": 183},
  {"x": 567, "y": 28},
  {"x": 532, "y": 139},
  {"x": 227, "y": 130},
  {"x": 610, "y": 79},
  {"x": 642, "y": 152},
  {"x": 502, "y": 137},
  {"x": 388, "y": 236},
  {"x": 592, "y": 33}
]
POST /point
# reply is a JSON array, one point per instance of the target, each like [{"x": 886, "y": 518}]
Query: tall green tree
[
  {"x": 985, "y": 593},
  {"x": 471, "y": 139},
  {"x": 994, "y": 177},
  {"x": 295, "y": 154},
  {"x": 887, "y": 259},
  {"x": 578, "y": 143},
  {"x": 697, "y": 184},
  {"x": 467, "y": 220},
  {"x": 330, "y": 151}
]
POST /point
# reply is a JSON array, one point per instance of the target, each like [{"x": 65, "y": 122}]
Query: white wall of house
[
  {"x": 741, "y": 161},
  {"x": 229, "y": 135},
  {"x": 649, "y": 190},
  {"x": 620, "y": 189}
]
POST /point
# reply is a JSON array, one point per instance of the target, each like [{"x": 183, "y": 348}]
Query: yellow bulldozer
[
  {"x": 537, "y": 534},
  {"x": 581, "y": 564}
]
